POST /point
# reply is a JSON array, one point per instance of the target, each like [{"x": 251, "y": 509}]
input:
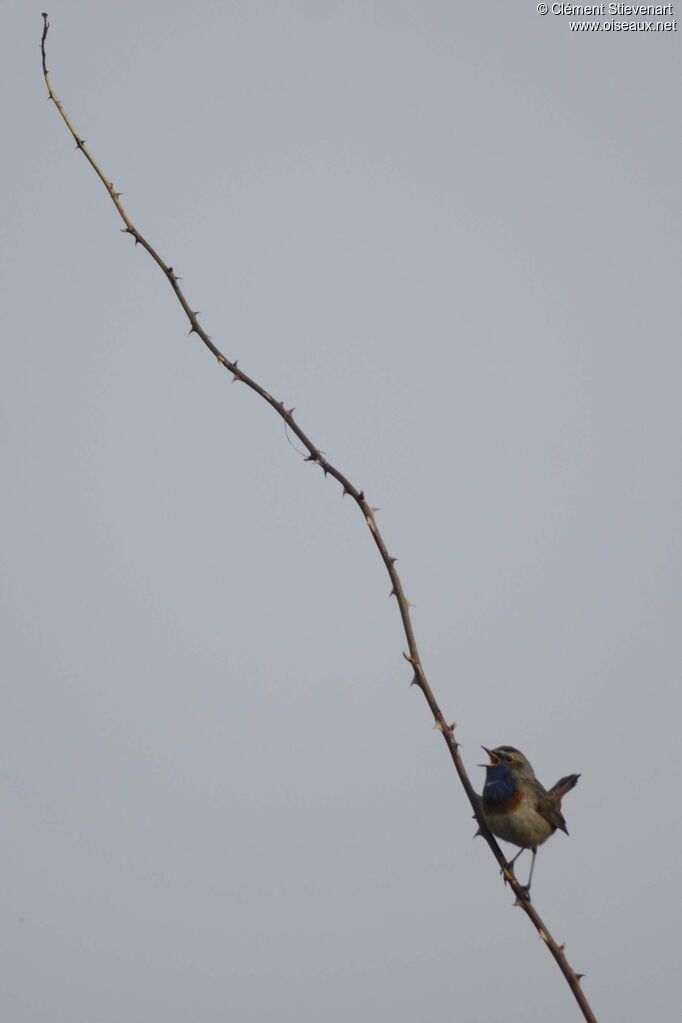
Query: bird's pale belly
[{"x": 520, "y": 824}]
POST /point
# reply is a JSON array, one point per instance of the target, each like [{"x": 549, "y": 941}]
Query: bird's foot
[{"x": 509, "y": 876}]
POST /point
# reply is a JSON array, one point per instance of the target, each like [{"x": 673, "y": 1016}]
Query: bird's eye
[{"x": 507, "y": 757}]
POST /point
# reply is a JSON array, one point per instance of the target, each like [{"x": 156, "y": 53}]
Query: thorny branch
[{"x": 316, "y": 456}]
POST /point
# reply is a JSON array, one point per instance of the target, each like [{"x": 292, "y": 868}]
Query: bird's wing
[{"x": 547, "y": 804}]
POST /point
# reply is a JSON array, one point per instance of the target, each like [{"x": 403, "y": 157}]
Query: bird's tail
[{"x": 564, "y": 785}]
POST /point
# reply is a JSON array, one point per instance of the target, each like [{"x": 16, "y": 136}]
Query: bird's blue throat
[{"x": 500, "y": 784}]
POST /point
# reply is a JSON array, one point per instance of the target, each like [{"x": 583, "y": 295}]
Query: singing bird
[{"x": 516, "y": 807}]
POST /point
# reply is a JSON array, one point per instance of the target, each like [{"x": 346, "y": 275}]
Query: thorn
[
  {"x": 414, "y": 682},
  {"x": 314, "y": 456},
  {"x": 290, "y": 411},
  {"x": 578, "y": 976},
  {"x": 192, "y": 330},
  {"x": 361, "y": 496},
  {"x": 196, "y": 312},
  {"x": 392, "y": 593},
  {"x": 117, "y": 195},
  {"x": 374, "y": 510},
  {"x": 410, "y": 660},
  {"x": 478, "y": 833},
  {"x": 392, "y": 560}
]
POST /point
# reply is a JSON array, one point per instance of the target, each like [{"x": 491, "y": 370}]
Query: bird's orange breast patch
[{"x": 508, "y": 806}]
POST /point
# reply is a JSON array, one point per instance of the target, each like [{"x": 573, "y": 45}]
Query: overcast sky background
[{"x": 448, "y": 233}]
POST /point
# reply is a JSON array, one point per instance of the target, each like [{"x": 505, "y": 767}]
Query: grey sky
[{"x": 448, "y": 233}]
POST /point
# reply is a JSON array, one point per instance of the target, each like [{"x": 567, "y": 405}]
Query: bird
[{"x": 516, "y": 807}]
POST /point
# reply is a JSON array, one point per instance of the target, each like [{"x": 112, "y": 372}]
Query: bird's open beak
[{"x": 493, "y": 758}]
